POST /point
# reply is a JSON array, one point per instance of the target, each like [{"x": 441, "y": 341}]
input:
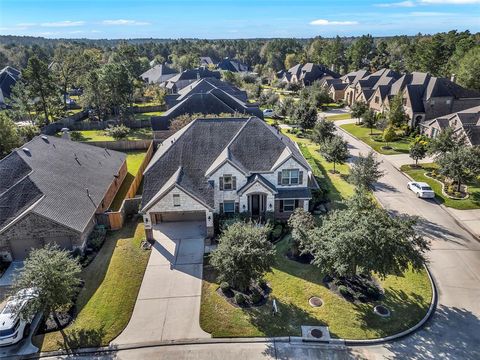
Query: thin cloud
[
  {"x": 66, "y": 23},
  {"x": 454, "y": 2},
  {"x": 397, "y": 4},
  {"x": 430, "y": 14},
  {"x": 123, "y": 22},
  {"x": 323, "y": 22}
]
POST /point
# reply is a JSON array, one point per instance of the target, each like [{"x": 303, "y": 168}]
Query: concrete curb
[{"x": 112, "y": 348}]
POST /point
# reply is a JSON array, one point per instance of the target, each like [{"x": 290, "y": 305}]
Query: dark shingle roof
[
  {"x": 215, "y": 101},
  {"x": 8, "y": 78},
  {"x": 185, "y": 157},
  {"x": 59, "y": 171},
  {"x": 232, "y": 65}
]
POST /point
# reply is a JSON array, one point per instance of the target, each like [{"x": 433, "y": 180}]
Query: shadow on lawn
[
  {"x": 76, "y": 338},
  {"x": 406, "y": 311}
]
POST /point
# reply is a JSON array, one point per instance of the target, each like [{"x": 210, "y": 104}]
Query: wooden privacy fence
[
  {"x": 122, "y": 145},
  {"x": 115, "y": 219}
]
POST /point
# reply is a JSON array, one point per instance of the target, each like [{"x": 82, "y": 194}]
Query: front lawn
[
  {"x": 134, "y": 160},
  {"x": 408, "y": 298},
  {"x": 337, "y": 117},
  {"x": 106, "y": 302},
  {"x": 101, "y": 135},
  {"x": 400, "y": 146},
  {"x": 418, "y": 174},
  {"x": 339, "y": 188}
]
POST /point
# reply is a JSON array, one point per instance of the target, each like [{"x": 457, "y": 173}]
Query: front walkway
[{"x": 168, "y": 303}]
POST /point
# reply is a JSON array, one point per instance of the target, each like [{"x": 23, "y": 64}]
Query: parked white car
[
  {"x": 268, "y": 113},
  {"x": 421, "y": 189},
  {"x": 12, "y": 327}
]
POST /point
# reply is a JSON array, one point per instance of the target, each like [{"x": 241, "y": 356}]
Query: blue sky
[{"x": 234, "y": 18}]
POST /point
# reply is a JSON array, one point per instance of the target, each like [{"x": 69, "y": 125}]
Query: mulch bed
[
  {"x": 359, "y": 289},
  {"x": 229, "y": 296}
]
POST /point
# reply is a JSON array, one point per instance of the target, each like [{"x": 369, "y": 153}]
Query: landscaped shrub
[
  {"x": 76, "y": 136},
  {"x": 118, "y": 132},
  {"x": 344, "y": 291},
  {"x": 97, "y": 238},
  {"x": 224, "y": 286},
  {"x": 240, "y": 299},
  {"x": 277, "y": 231},
  {"x": 256, "y": 297}
]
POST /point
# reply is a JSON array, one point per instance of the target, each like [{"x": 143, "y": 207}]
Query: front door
[{"x": 255, "y": 205}]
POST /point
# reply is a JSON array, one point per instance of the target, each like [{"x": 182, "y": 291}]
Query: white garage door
[{"x": 175, "y": 216}]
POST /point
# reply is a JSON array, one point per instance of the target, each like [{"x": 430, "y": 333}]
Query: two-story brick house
[{"x": 225, "y": 166}]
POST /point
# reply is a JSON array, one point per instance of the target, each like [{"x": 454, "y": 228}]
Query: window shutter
[
  {"x": 281, "y": 205},
  {"x": 279, "y": 178},
  {"x": 221, "y": 207},
  {"x": 220, "y": 183},
  {"x": 237, "y": 208},
  {"x": 296, "y": 203},
  {"x": 300, "y": 178},
  {"x": 234, "y": 183}
]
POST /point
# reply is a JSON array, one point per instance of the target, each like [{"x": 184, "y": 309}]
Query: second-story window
[
  {"x": 176, "y": 199},
  {"x": 228, "y": 182},
  {"x": 290, "y": 177}
]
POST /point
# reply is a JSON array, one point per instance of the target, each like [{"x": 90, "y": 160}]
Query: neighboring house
[
  {"x": 308, "y": 73},
  {"x": 466, "y": 123},
  {"x": 206, "y": 61},
  {"x": 8, "y": 78},
  {"x": 203, "y": 86},
  {"x": 225, "y": 166},
  {"x": 187, "y": 77},
  {"x": 232, "y": 65},
  {"x": 335, "y": 88},
  {"x": 362, "y": 89},
  {"x": 50, "y": 191},
  {"x": 158, "y": 74},
  {"x": 214, "y": 101}
]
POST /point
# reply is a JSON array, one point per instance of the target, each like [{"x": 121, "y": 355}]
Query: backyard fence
[
  {"x": 130, "y": 205},
  {"x": 68, "y": 122},
  {"x": 122, "y": 145}
]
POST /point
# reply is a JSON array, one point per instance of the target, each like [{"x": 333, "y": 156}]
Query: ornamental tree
[
  {"x": 304, "y": 114},
  {"x": 418, "y": 149},
  {"x": 301, "y": 221},
  {"x": 243, "y": 255},
  {"x": 357, "y": 109},
  {"x": 369, "y": 120},
  {"x": 365, "y": 171},
  {"x": 335, "y": 150},
  {"x": 461, "y": 164},
  {"x": 54, "y": 275},
  {"x": 323, "y": 130}
]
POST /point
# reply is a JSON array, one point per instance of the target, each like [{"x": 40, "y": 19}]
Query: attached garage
[{"x": 178, "y": 216}]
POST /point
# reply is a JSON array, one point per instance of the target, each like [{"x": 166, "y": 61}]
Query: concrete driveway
[{"x": 168, "y": 303}]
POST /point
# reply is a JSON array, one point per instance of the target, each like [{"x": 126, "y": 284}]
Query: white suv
[
  {"x": 421, "y": 189},
  {"x": 12, "y": 327}
]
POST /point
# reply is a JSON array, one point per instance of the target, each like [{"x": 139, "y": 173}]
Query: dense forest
[{"x": 442, "y": 54}]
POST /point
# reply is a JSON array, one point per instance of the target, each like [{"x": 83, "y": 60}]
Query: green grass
[
  {"x": 339, "y": 188},
  {"x": 418, "y": 174},
  {"x": 147, "y": 115},
  {"x": 148, "y": 103},
  {"x": 106, "y": 302},
  {"x": 292, "y": 283},
  {"x": 134, "y": 160},
  {"x": 400, "y": 146},
  {"x": 101, "y": 135},
  {"x": 339, "y": 117}
]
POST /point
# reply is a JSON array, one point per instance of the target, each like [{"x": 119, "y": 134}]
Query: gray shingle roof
[
  {"x": 59, "y": 171},
  {"x": 8, "y": 78},
  {"x": 232, "y": 65},
  {"x": 214, "y": 101},
  {"x": 251, "y": 144},
  {"x": 158, "y": 74}
]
